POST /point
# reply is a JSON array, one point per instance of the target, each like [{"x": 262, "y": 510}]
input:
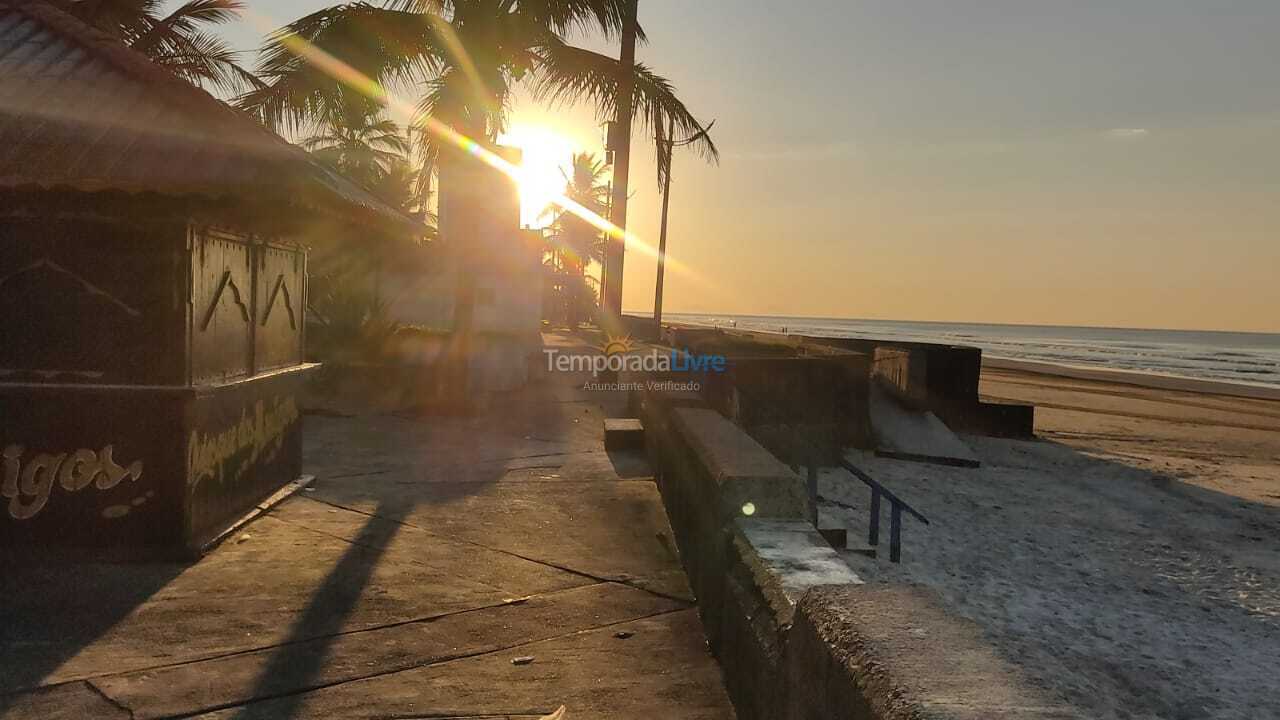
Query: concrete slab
[
  {"x": 651, "y": 673},
  {"x": 623, "y": 434},
  {"x": 401, "y": 561},
  {"x": 513, "y": 576},
  {"x": 73, "y": 701},
  {"x": 796, "y": 555},
  {"x": 275, "y": 582},
  {"x": 748, "y": 479},
  {"x": 908, "y": 434},
  {"x": 545, "y": 522},
  {"x": 403, "y": 645},
  {"x": 892, "y": 652}
]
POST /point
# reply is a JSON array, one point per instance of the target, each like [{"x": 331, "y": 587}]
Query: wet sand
[
  {"x": 1226, "y": 440},
  {"x": 1128, "y": 560}
]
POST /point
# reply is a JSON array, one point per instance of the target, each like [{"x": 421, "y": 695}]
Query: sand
[{"x": 1126, "y": 561}]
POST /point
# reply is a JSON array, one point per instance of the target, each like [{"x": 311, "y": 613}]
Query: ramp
[{"x": 906, "y": 434}]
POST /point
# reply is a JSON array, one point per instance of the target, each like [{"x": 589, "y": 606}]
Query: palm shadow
[
  {"x": 433, "y": 462},
  {"x": 300, "y": 657}
]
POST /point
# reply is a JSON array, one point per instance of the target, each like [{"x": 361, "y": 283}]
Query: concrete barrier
[
  {"x": 775, "y": 392},
  {"x": 938, "y": 377},
  {"x": 892, "y": 653},
  {"x": 798, "y": 635},
  {"x": 903, "y": 373},
  {"x": 794, "y": 406}
]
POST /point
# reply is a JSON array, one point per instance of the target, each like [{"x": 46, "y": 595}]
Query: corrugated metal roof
[{"x": 80, "y": 110}]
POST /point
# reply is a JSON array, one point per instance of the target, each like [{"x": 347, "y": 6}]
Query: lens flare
[{"x": 344, "y": 73}]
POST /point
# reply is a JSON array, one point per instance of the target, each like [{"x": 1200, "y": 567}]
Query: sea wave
[{"x": 1239, "y": 357}]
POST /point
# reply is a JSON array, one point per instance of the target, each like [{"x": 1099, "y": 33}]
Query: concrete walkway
[{"x": 496, "y": 566}]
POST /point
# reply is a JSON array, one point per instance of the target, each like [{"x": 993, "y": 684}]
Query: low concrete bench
[
  {"x": 737, "y": 475},
  {"x": 623, "y": 434}
]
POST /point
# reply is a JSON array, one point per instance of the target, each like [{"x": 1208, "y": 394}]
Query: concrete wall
[
  {"x": 937, "y": 377},
  {"x": 904, "y": 373},
  {"x": 798, "y": 635},
  {"x": 794, "y": 405}
]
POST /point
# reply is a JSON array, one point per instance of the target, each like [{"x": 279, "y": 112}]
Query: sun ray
[{"x": 344, "y": 73}]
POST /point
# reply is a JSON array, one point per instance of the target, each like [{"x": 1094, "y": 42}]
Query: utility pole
[
  {"x": 668, "y": 146},
  {"x": 615, "y": 247}
]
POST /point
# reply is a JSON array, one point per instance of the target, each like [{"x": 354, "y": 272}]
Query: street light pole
[{"x": 615, "y": 244}]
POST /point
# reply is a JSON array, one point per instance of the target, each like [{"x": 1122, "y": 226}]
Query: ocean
[{"x": 1252, "y": 358}]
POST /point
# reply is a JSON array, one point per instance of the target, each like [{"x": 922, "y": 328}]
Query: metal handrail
[{"x": 896, "y": 506}]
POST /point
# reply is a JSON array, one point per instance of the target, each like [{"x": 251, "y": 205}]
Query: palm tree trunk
[
  {"x": 616, "y": 246},
  {"x": 669, "y": 149}
]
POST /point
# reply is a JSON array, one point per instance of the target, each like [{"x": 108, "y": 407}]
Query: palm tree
[
  {"x": 361, "y": 145},
  {"x": 175, "y": 40},
  {"x": 370, "y": 150},
  {"x": 573, "y": 242},
  {"x": 465, "y": 56},
  {"x": 578, "y": 240},
  {"x": 404, "y": 187}
]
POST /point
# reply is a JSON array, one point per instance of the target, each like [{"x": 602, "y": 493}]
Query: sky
[{"x": 1100, "y": 162}]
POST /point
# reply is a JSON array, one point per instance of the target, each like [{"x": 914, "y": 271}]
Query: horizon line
[{"x": 666, "y": 313}]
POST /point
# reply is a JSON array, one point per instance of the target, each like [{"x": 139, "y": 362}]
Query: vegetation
[
  {"x": 346, "y": 320},
  {"x": 180, "y": 40},
  {"x": 360, "y": 145},
  {"x": 573, "y": 243},
  {"x": 461, "y": 58}
]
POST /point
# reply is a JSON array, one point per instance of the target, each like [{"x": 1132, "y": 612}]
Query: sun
[{"x": 544, "y": 151}]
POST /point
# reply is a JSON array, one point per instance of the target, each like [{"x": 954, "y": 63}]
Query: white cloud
[{"x": 1126, "y": 133}]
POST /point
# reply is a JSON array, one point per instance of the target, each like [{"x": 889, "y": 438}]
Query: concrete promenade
[{"x": 496, "y": 566}]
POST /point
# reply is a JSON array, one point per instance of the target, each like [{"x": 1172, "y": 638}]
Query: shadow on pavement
[
  {"x": 54, "y": 607},
  {"x": 295, "y": 664}
]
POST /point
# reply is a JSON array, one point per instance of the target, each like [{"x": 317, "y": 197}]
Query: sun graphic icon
[{"x": 618, "y": 346}]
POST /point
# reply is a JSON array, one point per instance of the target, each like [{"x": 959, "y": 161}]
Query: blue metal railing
[
  {"x": 805, "y": 452},
  {"x": 896, "y": 507}
]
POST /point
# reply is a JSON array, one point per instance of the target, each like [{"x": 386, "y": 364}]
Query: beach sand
[{"x": 1128, "y": 560}]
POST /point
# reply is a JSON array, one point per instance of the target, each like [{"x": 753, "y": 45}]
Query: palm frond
[
  {"x": 202, "y": 57},
  {"x": 383, "y": 46},
  {"x": 194, "y": 13},
  {"x": 569, "y": 74},
  {"x": 176, "y": 40},
  {"x": 569, "y": 16}
]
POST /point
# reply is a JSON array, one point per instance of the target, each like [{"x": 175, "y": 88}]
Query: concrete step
[
  {"x": 864, "y": 549},
  {"x": 623, "y": 434},
  {"x": 837, "y": 538}
]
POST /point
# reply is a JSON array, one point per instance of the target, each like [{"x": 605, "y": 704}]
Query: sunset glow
[
  {"x": 544, "y": 153},
  {"x": 544, "y": 150}
]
